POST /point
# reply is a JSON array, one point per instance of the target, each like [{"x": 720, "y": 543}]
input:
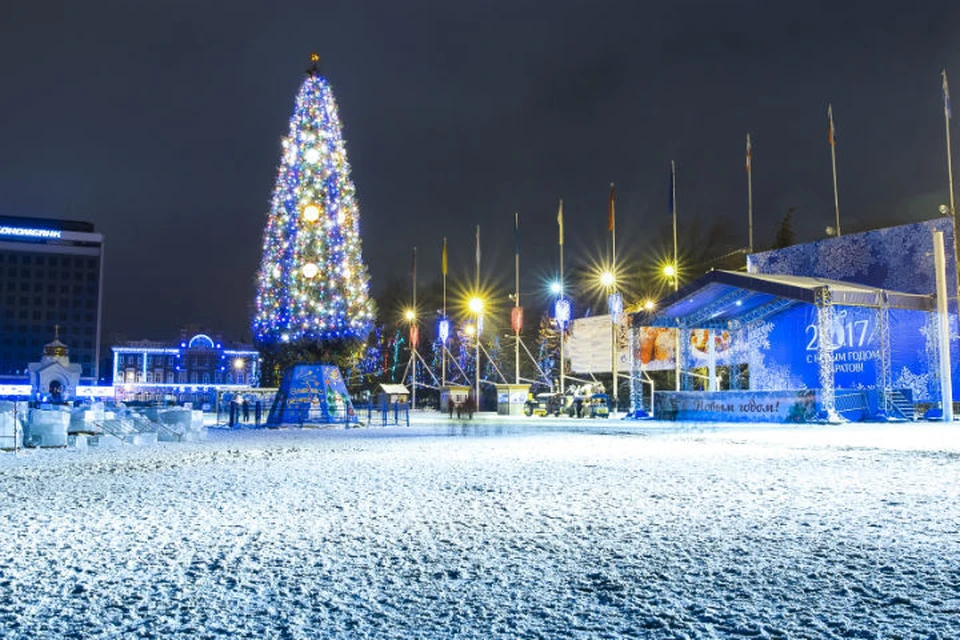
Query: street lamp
[
  {"x": 670, "y": 271},
  {"x": 649, "y": 305},
  {"x": 476, "y": 307},
  {"x": 238, "y": 365},
  {"x": 615, "y": 306},
  {"x": 410, "y": 315},
  {"x": 562, "y": 315}
]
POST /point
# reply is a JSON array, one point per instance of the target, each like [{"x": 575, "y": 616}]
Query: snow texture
[{"x": 529, "y": 529}]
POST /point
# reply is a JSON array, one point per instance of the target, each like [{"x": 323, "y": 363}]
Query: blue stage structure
[
  {"x": 311, "y": 394},
  {"x": 811, "y": 347}
]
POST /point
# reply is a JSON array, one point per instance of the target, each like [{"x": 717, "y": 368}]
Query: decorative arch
[{"x": 200, "y": 341}]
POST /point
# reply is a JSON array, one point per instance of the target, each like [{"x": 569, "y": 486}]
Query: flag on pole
[
  {"x": 673, "y": 178},
  {"x": 560, "y": 221},
  {"x": 443, "y": 258},
  {"x": 946, "y": 95},
  {"x": 611, "y": 220},
  {"x": 413, "y": 267},
  {"x": 830, "y": 131},
  {"x": 516, "y": 233},
  {"x": 478, "y": 249},
  {"x": 749, "y": 154}
]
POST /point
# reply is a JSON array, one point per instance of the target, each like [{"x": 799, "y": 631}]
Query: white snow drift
[{"x": 490, "y": 530}]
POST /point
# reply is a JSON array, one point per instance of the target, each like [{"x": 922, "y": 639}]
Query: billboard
[{"x": 589, "y": 345}]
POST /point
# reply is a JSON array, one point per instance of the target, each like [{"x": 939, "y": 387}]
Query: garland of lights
[{"x": 312, "y": 283}]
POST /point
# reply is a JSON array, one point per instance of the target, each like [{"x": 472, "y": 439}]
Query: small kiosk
[
  {"x": 511, "y": 399},
  {"x": 455, "y": 392},
  {"x": 391, "y": 394}
]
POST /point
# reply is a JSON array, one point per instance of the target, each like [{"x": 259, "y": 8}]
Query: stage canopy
[{"x": 727, "y": 299}]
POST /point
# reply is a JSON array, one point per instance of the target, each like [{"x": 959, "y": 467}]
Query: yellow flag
[
  {"x": 443, "y": 258},
  {"x": 560, "y": 221}
]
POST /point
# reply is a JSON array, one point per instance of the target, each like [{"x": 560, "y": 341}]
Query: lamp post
[
  {"x": 411, "y": 317},
  {"x": 562, "y": 315},
  {"x": 670, "y": 271},
  {"x": 476, "y": 307},
  {"x": 615, "y": 306},
  {"x": 238, "y": 365}
]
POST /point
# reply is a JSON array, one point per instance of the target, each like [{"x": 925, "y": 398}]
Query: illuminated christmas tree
[{"x": 312, "y": 287}]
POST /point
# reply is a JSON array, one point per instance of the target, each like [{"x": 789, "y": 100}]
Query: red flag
[
  {"x": 749, "y": 154},
  {"x": 611, "y": 222},
  {"x": 516, "y": 319}
]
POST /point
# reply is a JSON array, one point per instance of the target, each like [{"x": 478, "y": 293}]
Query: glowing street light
[
  {"x": 238, "y": 365},
  {"x": 556, "y": 288},
  {"x": 608, "y": 280},
  {"x": 671, "y": 272},
  {"x": 410, "y": 315},
  {"x": 649, "y": 305},
  {"x": 475, "y": 305}
]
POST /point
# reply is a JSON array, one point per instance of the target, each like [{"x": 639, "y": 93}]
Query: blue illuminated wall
[{"x": 895, "y": 258}]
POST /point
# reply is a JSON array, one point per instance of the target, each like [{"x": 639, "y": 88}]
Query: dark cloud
[{"x": 161, "y": 122}]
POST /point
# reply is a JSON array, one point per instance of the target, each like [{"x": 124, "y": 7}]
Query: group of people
[{"x": 468, "y": 406}]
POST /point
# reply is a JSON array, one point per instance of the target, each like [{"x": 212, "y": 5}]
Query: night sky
[{"x": 161, "y": 124}]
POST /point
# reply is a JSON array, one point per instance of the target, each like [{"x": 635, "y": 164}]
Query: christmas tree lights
[{"x": 312, "y": 284}]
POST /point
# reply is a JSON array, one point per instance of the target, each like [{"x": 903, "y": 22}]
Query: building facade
[
  {"x": 51, "y": 278},
  {"x": 192, "y": 371}
]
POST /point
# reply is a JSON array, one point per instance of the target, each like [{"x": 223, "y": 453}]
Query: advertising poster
[{"x": 656, "y": 345}]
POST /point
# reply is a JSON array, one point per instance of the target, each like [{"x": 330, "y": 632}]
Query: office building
[{"x": 51, "y": 280}]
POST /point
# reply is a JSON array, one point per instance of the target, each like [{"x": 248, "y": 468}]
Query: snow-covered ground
[{"x": 532, "y": 528}]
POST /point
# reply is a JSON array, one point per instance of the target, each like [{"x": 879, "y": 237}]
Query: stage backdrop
[
  {"x": 897, "y": 259},
  {"x": 782, "y": 353}
]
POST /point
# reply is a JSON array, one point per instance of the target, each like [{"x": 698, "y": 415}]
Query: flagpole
[
  {"x": 613, "y": 268},
  {"x": 947, "y": 114},
  {"x": 676, "y": 271},
  {"x": 443, "y": 347},
  {"x": 516, "y": 295},
  {"x": 477, "y": 292},
  {"x": 946, "y": 121},
  {"x": 833, "y": 159},
  {"x": 413, "y": 330},
  {"x": 750, "y": 193},
  {"x": 562, "y": 293}
]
